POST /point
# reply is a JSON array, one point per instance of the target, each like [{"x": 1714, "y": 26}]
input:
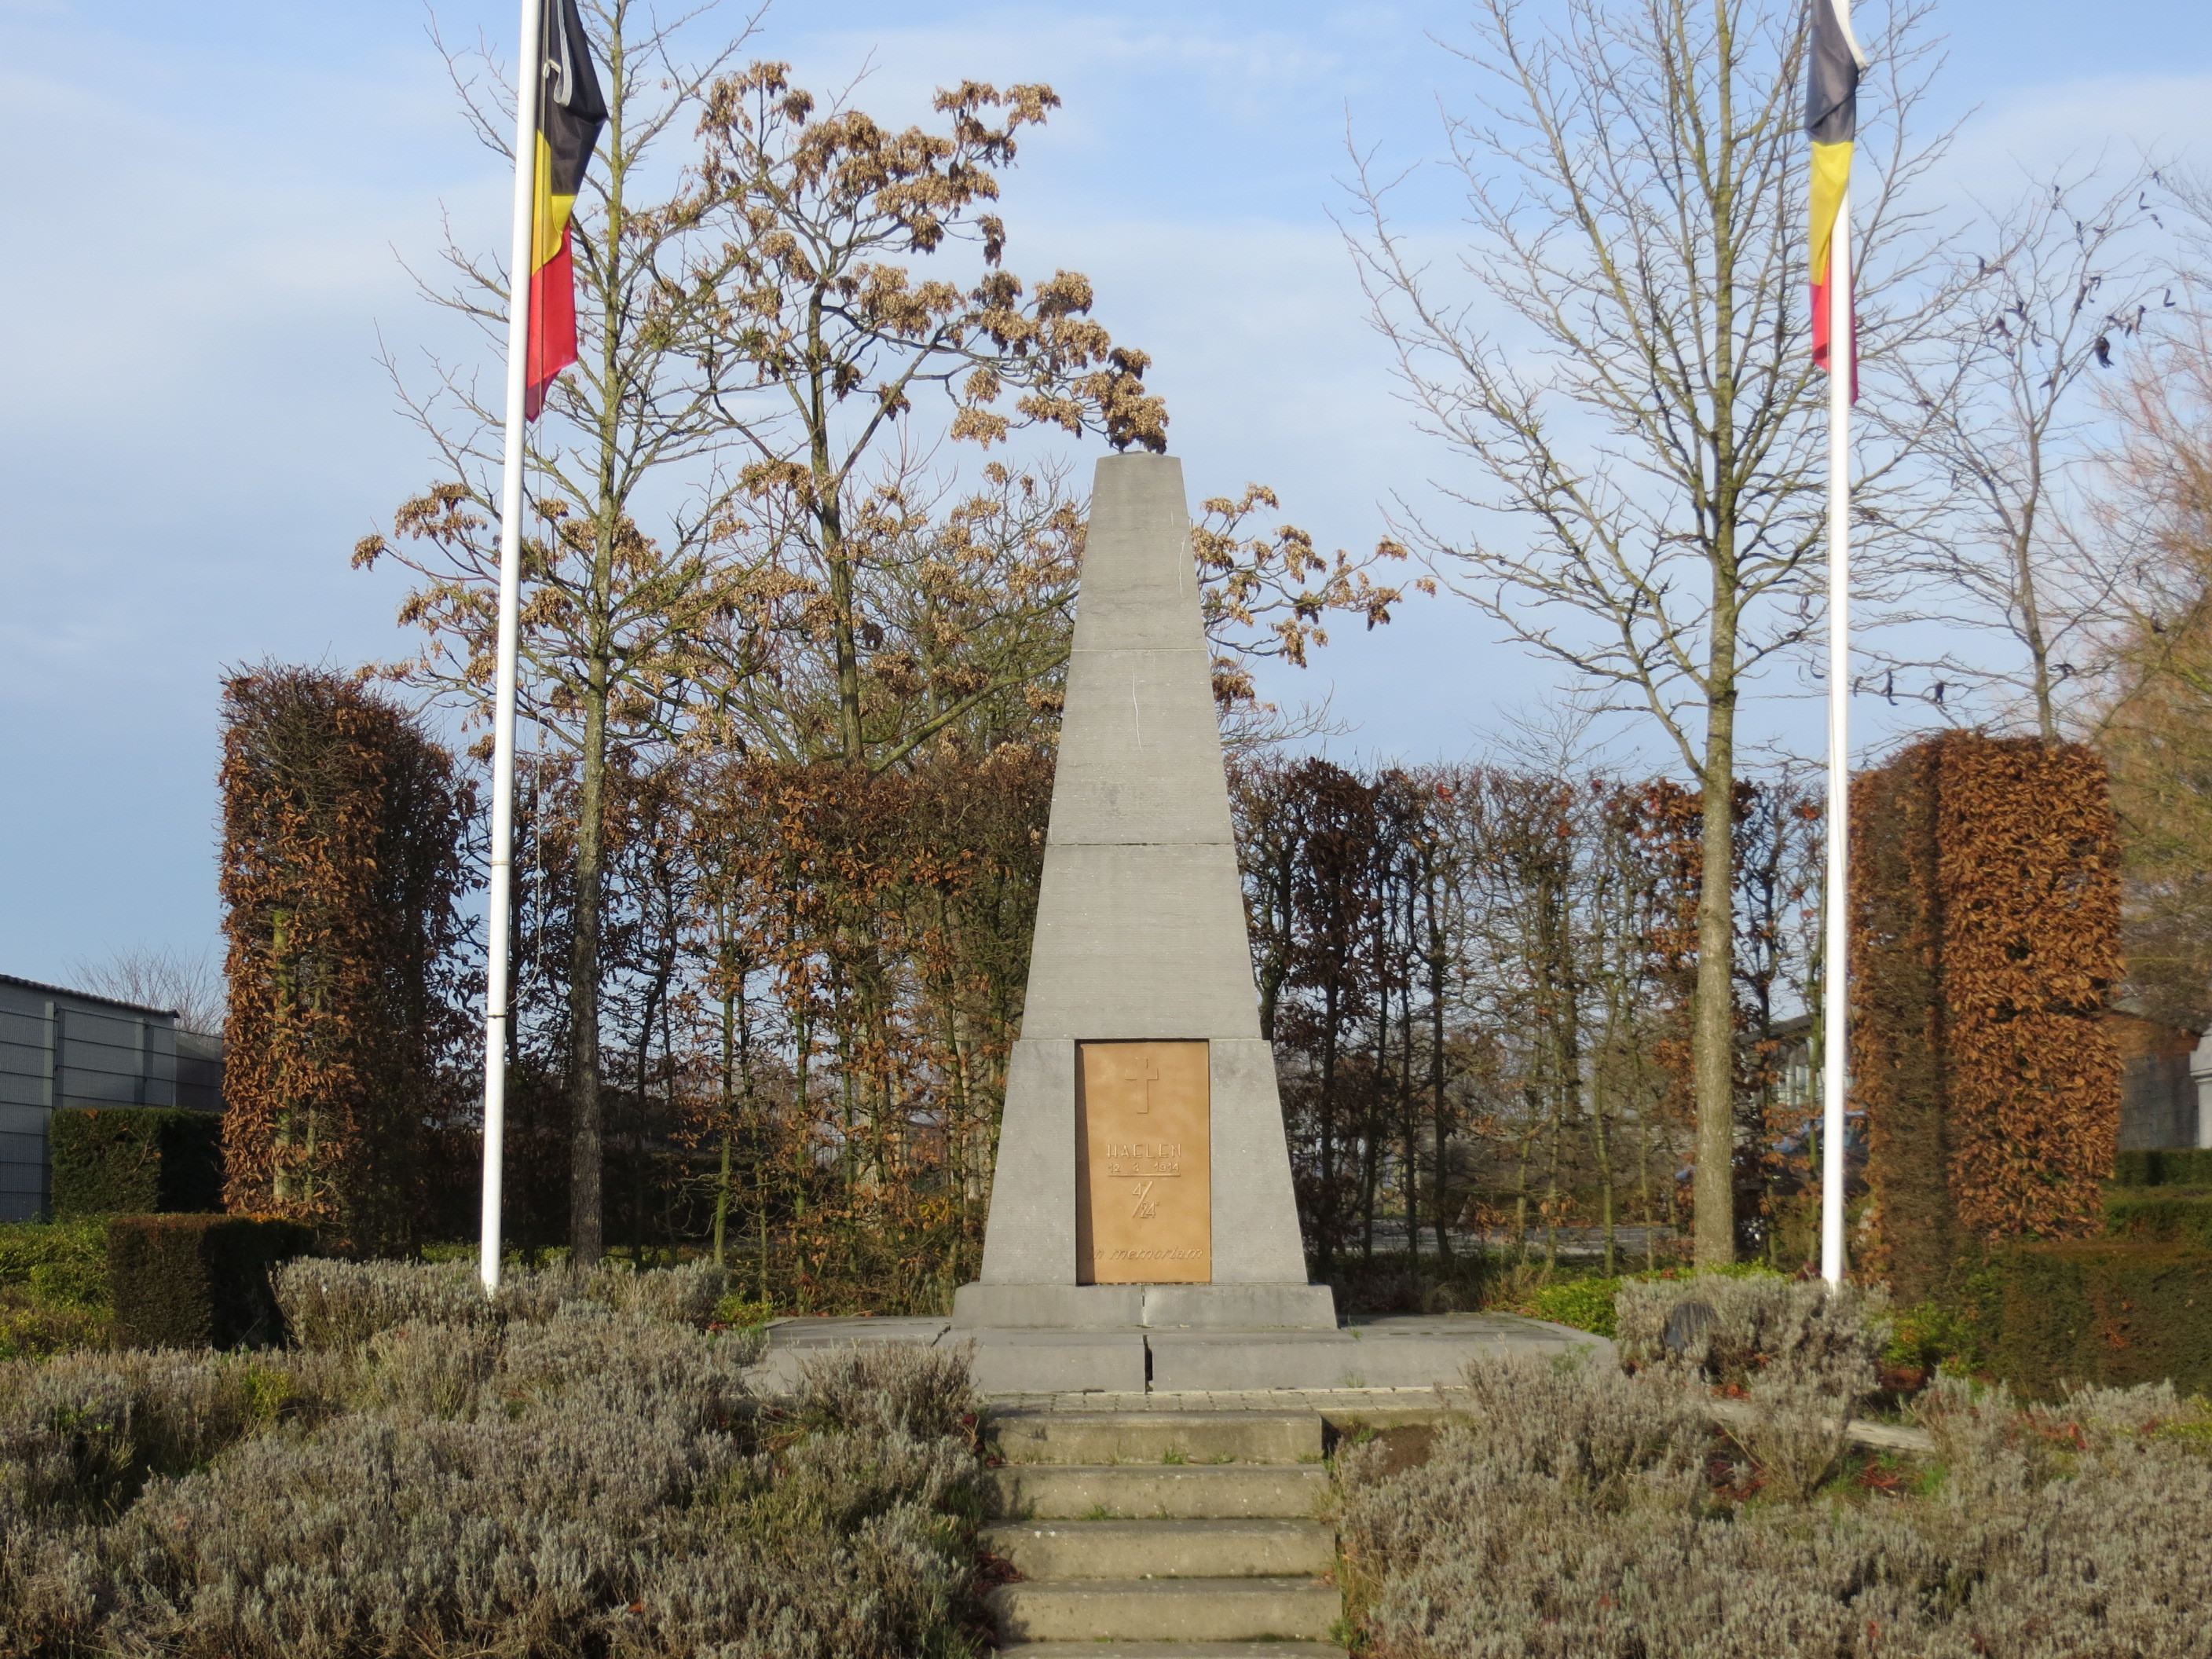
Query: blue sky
[{"x": 214, "y": 205}]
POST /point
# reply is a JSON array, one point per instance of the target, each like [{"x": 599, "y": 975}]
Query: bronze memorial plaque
[{"x": 1143, "y": 1196}]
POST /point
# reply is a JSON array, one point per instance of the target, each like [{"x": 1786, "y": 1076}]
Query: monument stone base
[
  {"x": 1409, "y": 1351},
  {"x": 1108, "y": 1307}
]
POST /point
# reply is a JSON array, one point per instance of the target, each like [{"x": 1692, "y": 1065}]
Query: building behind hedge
[
  {"x": 60, "y": 1049},
  {"x": 2165, "y": 1083}
]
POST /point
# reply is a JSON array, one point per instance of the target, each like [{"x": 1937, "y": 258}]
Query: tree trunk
[
  {"x": 1712, "y": 1017},
  {"x": 586, "y": 1148},
  {"x": 1438, "y": 1108},
  {"x": 2031, "y": 632}
]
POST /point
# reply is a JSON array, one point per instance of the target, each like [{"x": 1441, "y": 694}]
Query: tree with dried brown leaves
[
  {"x": 827, "y": 335},
  {"x": 2152, "y": 719}
]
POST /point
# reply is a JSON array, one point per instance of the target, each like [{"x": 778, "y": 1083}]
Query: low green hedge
[
  {"x": 2167, "y": 1215},
  {"x": 2182, "y": 1167},
  {"x": 135, "y": 1160},
  {"x": 194, "y": 1281},
  {"x": 2111, "y": 1311}
]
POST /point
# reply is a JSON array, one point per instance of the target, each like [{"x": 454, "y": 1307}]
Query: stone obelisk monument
[{"x": 1143, "y": 1176}]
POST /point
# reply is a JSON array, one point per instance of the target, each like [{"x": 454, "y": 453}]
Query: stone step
[
  {"x": 1167, "y": 1610},
  {"x": 1162, "y": 1549},
  {"x": 1141, "y": 1437},
  {"x": 1171, "y": 1650},
  {"x": 1066, "y": 1492}
]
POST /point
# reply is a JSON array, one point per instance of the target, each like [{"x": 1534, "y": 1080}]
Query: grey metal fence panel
[
  {"x": 26, "y": 1091},
  {"x": 22, "y": 1163},
  {"x": 26, "y": 1059},
  {"x": 199, "y": 1071},
  {"x": 35, "y": 1031},
  {"x": 79, "y": 1087},
  {"x": 59, "y": 1047}
]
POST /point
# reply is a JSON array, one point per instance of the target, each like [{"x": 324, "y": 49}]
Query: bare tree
[
  {"x": 1646, "y": 405},
  {"x": 1999, "y": 409},
  {"x": 191, "y": 987},
  {"x": 2151, "y": 716}
]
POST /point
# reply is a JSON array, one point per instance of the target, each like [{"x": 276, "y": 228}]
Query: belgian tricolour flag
[
  {"x": 571, "y": 110},
  {"x": 1833, "y": 62}
]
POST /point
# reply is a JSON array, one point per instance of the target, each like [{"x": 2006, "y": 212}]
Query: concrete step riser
[
  {"x": 1153, "y": 1437},
  {"x": 1163, "y": 1549},
  {"x": 1062, "y": 1492},
  {"x": 1227, "y": 1610}
]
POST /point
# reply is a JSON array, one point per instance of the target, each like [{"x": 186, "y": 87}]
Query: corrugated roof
[{"x": 83, "y": 996}]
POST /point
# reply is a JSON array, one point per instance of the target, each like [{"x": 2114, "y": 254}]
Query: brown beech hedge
[{"x": 1985, "y": 922}]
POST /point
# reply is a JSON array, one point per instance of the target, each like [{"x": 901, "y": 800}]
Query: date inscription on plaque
[{"x": 1143, "y": 1189}]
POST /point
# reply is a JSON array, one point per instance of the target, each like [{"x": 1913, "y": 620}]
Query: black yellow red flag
[
  {"x": 571, "y": 110},
  {"x": 1833, "y": 62}
]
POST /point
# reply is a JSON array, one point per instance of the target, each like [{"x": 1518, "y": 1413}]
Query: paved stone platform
[{"x": 1401, "y": 1352}]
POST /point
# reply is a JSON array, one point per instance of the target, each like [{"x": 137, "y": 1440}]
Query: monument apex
[{"x": 1143, "y": 1176}]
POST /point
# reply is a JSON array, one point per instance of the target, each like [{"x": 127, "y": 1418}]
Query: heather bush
[
  {"x": 1579, "y": 1513},
  {"x": 892, "y": 1387},
  {"x": 331, "y": 1303},
  {"x": 1801, "y": 1354},
  {"x": 1586, "y": 1303},
  {"x": 569, "y": 1473},
  {"x": 328, "y": 1302},
  {"x": 80, "y": 1434},
  {"x": 1729, "y": 1328}
]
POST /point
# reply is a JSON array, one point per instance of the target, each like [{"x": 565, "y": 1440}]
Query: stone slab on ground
[
  {"x": 1383, "y": 1407},
  {"x": 1414, "y": 1352},
  {"x": 1105, "y": 1307},
  {"x": 1176, "y": 1434},
  {"x": 1167, "y": 1609},
  {"x": 1257, "y": 1548},
  {"x": 1430, "y": 1352},
  {"x": 1007, "y": 1362},
  {"x": 792, "y": 1341},
  {"x": 1171, "y": 1651},
  {"x": 1136, "y": 1492}
]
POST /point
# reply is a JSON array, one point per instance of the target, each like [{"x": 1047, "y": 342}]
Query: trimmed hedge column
[
  {"x": 198, "y": 1281},
  {"x": 1985, "y": 915}
]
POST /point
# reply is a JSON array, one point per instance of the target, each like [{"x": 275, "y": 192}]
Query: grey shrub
[
  {"x": 572, "y": 1481},
  {"x": 1567, "y": 1517},
  {"x": 333, "y": 1304}
]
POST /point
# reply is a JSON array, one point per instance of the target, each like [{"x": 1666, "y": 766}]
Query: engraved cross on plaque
[{"x": 1147, "y": 1072}]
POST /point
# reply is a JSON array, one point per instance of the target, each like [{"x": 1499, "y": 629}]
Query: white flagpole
[
  {"x": 1843, "y": 357},
  {"x": 498, "y": 988}
]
